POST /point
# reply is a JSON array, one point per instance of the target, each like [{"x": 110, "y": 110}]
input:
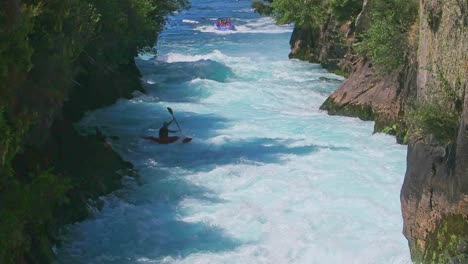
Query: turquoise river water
[{"x": 268, "y": 177}]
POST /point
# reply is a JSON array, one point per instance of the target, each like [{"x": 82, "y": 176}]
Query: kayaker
[{"x": 164, "y": 130}]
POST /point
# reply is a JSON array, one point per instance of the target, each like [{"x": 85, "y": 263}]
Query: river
[{"x": 267, "y": 178}]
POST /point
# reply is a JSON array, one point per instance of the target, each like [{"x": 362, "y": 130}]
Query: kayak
[
  {"x": 168, "y": 140},
  {"x": 163, "y": 140}
]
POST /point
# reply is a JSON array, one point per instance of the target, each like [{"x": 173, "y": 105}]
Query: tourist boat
[{"x": 224, "y": 24}]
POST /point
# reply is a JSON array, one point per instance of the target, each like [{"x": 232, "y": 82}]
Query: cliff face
[
  {"x": 434, "y": 195},
  {"x": 322, "y": 45}
]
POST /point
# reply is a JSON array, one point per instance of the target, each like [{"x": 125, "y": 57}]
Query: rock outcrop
[{"x": 370, "y": 96}]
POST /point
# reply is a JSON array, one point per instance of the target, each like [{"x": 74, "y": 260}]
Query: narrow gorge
[{"x": 279, "y": 169}]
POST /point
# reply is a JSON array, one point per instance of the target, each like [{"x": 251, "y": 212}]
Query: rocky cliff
[
  {"x": 434, "y": 195},
  {"x": 372, "y": 96},
  {"x": 369, "y": 92},
  {"x": 324, "y": 45}
]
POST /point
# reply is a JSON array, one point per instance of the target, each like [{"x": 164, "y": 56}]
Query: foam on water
[
  {"x": 177, "y": 57},
  {"x": 268, "y": 177},
  {"x": 190, "y": 21}
]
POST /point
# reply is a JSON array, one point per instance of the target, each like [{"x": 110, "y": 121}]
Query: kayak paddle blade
[
  {"x": 187, "y": 140},
  {"x": 170, "y": 111}
]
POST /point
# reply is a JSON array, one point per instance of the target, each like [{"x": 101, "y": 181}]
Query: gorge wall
[
  {"x": 434, "y": 195},
  {"x": 57, "y": 60}
]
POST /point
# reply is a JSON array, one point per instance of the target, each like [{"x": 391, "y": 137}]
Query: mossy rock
[
  {"x": 304, "y": 54},
  {"x": 363, "y": 112},
  {"x": 448, "y": 244},
  {"x": 390, "y": 126}
]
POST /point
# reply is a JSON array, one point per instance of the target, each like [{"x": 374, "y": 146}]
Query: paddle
[{"x": 186, "y": 139}]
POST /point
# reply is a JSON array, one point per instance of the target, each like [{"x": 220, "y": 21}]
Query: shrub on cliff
[
  {"x": 432, "y": 118},
  {"x": 438, "y": 114},
  {"x": 386, "y": 41},
  {"x": 299, "y": 12},
  {"x": 312, "y": 12},
  {"x": 344, "y": 10}
]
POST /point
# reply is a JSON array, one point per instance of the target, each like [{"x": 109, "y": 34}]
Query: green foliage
[
  {"x": 448, "y": 244},
  {"x": 27, "y": 213},
  {"x": 391, "y": 130},
  {"x": 382, "y": 44},
  {"x": 398, "y": 129},
  {"x": 128, "y": 26},
  {"x": 386, "y": 41},
  {"x": 299, "y": 12},
  {"x": 11, "y": 137},
  {"x": 362, "y": 111},
  {"x": 262, "y": 8},
  {"x": 43, "y": 46},
  {"x": 341, "y": 72},
  {"x": 405, "y": 138},
  {"x": 308, "y": 11},
  {"x": 16, "y": 52},
  {"x": 6, "y": 137},
  {"x": 438, "y": 114},
  {"x": 47, "y": 48},
  {"x": 15, "y": 48},
  {"x": 344, "y": 10},
  {"x": 434, "y": 119}
]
